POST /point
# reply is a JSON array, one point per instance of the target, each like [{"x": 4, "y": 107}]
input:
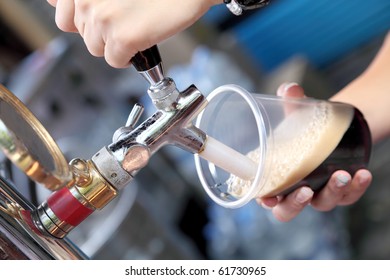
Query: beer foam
[{"x": 300, "y": 143}]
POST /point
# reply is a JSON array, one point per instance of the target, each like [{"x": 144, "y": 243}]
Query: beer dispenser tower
[
  {"x": 89, "y": 185},
  {"x": 97, "y": 181}
]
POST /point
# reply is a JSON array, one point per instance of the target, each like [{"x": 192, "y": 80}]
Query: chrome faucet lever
[{"x": 132, "y": 120}]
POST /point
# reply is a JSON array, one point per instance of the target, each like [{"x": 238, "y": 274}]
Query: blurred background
[{"x": 164, "y": 213}]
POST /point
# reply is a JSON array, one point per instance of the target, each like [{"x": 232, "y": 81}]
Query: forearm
[{"x": 370, "y": 93}]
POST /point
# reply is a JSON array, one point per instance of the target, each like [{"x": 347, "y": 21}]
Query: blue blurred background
[{"x": 323, "y": 31}]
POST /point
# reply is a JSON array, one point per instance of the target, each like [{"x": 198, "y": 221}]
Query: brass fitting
[{"x": 69, "y": 206}]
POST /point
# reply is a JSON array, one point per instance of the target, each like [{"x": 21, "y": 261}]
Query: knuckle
[
  {"x": 64, "y": 25},
  {"x": 116, "y": 61},
  {"x": 95, "y": 51},
  {"x": 297, "y": 205},
  {"x": 281, "y": 216},
  {"x": 321, "y": 206},
  {"x": 82, "y": 5}
]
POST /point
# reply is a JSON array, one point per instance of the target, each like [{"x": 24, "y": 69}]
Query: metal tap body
[
  {"x": 165, "y": 126},
  {"x": 97, "y": 181}
]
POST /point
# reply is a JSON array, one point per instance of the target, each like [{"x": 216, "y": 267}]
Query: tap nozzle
[{"x": 162, "y": 90}]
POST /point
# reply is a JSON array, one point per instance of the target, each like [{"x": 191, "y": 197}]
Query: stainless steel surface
[
  {"x": 96, "y": 182},
  {"x": 111, "y": 169},
  {"x": 20, "y": 239},
  {"x": 165, "y": 127},
  {"x": 164, "y": 94},
  {"x": 93, "y": 127},
  {"x": 154, "y": 75},
  {"x": 137, "y": 156},
  {"x": 50, "y": 222},
  {"x": 132, "y": 120},
  {"x": 134, "y": 115}
]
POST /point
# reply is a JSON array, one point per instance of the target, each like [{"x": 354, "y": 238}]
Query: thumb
[
  {"x": 290, "y": 90},
  {"x": 52, "y": 2}
]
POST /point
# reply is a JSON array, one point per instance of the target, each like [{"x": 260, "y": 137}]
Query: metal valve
[
  {"x": 132, "y": 120},
  {"x": 97, "y": 181}
]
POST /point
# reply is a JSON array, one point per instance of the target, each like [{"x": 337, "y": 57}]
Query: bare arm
[{"x": 370, "y": 92}]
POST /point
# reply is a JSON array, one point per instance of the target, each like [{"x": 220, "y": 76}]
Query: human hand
[
  {"x": 341, "y": 188},
  {"x": 118, "y": 29}
]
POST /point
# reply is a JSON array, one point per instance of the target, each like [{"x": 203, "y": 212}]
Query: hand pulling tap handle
[{"x": 147, "y": 59}]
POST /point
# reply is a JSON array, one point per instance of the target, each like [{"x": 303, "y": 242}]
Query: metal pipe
[{"x": 20, "y": 236}]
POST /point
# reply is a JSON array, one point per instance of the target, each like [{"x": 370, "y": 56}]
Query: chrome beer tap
[
  {"x": 170, "y": 124},
  {"x": 97, "y": 181}
]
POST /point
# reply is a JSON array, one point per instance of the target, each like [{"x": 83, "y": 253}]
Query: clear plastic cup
[{"x": 262, "y": 145}]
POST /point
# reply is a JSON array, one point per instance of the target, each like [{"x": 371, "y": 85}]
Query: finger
[
  {"x": 52, "y": 2},
  {"x": 293, "y": 204},
  {"x": 292, "y": 90},
  {"x": 88, "y": 22},
  {"x": 65, "y": 15},
  {"x": 359, "y": 184},
  {"x": 79, "y": 19},
  {"x": 331, "y": 195},
  {"x": 267, "y": 202},
  {"x": 118, "y": 53},
  {"x": 93, "y": 40}
]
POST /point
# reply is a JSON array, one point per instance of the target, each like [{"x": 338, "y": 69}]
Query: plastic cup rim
[{"x": 260, "y": 122}]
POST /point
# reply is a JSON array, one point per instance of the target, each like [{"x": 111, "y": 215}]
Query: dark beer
[{"x": 351, "y": 154}]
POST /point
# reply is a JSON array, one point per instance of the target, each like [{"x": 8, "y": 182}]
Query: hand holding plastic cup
[{"x": 273, "y": 145}]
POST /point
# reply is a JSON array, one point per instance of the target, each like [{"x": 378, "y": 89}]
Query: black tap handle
[
  {"x": 147, "y": 59},
  {"x": 249, "y": 4}
]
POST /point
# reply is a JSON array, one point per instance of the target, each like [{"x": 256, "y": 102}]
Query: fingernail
[
  {"x": 282, "y": 90},
  {"x": 341, "y": 180},
  {"x": 364, "y": 177},
  {"x": 265, "y": 206},
  {"x": 287, "y": 86},
  {"x": 304, "y": 195},
  {"x": 262, "y": 204}
]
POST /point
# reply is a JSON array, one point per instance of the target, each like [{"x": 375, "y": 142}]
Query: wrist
[{"x": 214, "y": 2}]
